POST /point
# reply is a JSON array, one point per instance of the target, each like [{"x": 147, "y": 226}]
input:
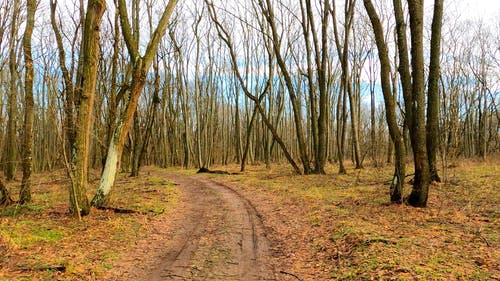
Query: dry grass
[
  {"x": 39, "y": 239},
  {"x": 325, "y": 227},
  {"x": 342, "y": 227}
]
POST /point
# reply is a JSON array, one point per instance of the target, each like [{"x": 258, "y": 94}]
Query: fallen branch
[
  {"x": 478, "y": 234},
  {"x": 485, "y": 240},
  {"x": 291, "y": 274},
  {"x": 206, "y": 170},
  {"x": 60, "y": 268},
  {"x": 118, "y": 210},
  {"x": 378, "y": 240},
  {"x": 171, "y": 276}
]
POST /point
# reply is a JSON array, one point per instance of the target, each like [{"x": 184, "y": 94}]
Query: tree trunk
[
  {"x": 390, "y": 147},
  {"x": 25, "y": 192},
  {"x": 296, "y": 105},
  {"x": 341, "y": 124},
  {"x": 237, "y": 126},
  {"x": 86, "y": 85},
  {"x": 373, "y": 132},
  {"x": 321, "y": 67},
  {"x": 69, "y": 126},
  {"x": 307, "y": 28},
  {"x": 419, "y": 194},
  {"x": 396, "y": 189},
  {"x": 141, "y": 65},
  {"x": 433, "y": 92},
  {"x": 141, "y": 142},
  {"x": 113, "y": 95},
  {"x": 353, "y": 108},
  {"x": 11, "y": 147}
]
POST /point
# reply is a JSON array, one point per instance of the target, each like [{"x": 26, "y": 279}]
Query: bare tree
[
  {"x": 224, "y": 35},
  {"x": 397, "y": 183},
  {"x": 432, "y": 128},
  {"x": 267, "y": 10},
  {"x": 68, "y": 85},
  {"x": 29, "y": 103},
  {"x": 85, "y": 87},
  {"x": 346, "y": 88},
  {"x": 141, "y": 65},
  {"x": 11, "y": 147}
]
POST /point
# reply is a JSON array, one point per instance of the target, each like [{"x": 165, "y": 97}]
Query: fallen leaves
[
  {"x": 340, "y": 227},
  {"x": 41, "y": 240}
]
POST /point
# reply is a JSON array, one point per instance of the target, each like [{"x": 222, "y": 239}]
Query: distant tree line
[{"x": 302, "y": 82}]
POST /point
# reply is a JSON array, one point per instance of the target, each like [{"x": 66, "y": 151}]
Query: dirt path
[{"x": 215, "y": 234}]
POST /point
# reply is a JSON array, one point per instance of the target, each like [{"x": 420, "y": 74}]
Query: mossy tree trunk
[
  {"x": 85, "y": 89},
  {"x": 11, "y": 142},
  {"x": 25, "y": 192},
  {"x": 433, "y": 92},
  {"x": 419, "y": 194}
]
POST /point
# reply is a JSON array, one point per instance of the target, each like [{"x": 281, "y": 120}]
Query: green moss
[
  {"x": 106, "y": 265},
  {"x": 25, "y": 233},
  {"x": 18, "y": 210}
]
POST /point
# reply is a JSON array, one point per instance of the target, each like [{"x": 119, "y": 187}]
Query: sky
[
  {"x": 477, "y": 8},
  {"x": 471, "y": 8}
]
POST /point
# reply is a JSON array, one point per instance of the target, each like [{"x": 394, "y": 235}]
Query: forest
[{"x": 249, "y": 140}]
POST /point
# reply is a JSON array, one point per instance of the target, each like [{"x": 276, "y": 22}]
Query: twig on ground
[
  {"x": 291, "y": 274},
  {"x": 173, "y": 276},
  {"x": 378, "y": 240},
  {"x": 483, "y": 239}
]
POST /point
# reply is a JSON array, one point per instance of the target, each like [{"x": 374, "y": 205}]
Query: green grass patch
[{"x": 43, "y": 234}]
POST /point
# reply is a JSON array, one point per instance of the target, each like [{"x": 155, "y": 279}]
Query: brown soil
[{"x": 214, "y": 234}]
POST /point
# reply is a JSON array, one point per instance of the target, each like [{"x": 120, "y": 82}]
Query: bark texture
[
  {"x": 29, "y": 114},
  {"x": 396, "y": 189},
  {"x": 86, "y": 85}
]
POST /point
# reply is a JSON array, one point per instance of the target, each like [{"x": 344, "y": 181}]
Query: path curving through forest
[{"x": 217, "y": 235}]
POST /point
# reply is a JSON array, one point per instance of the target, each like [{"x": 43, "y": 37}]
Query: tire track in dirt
[{"x": 218, "y": 236}]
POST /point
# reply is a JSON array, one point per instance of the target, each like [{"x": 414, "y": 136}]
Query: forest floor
[{"x": 266, "y": 223}]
